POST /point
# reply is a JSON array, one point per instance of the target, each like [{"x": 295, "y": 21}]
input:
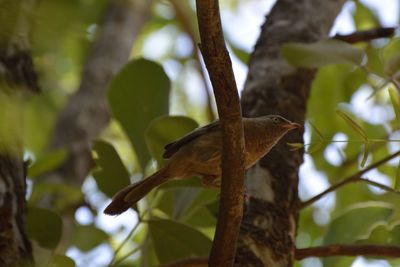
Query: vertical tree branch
[
  {"x": 86, "y": 114},
  {"x": 219, "y": 67},
  {"x": 269, "y": 226},
  {"x": 18, "y": 80}
]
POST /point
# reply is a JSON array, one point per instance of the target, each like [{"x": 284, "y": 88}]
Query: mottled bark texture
[
  {"x": 17, "y": 81},
  {"x": 268, "y": 230},
  {"x": 86, "y": 113}
]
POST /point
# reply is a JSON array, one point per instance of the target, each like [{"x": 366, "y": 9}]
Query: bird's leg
[{"x": 211, "y": 181}]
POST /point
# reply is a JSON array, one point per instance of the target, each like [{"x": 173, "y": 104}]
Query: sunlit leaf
[
  {"x": 111, "y": 174},
  {"x": 164, "y": 130},
  {"x": 44, "y": 226},
  {"x": 324, "y": 52},
  {"x": 354, "y": 125},
  {"x": 48, "y": 162},
  {"x": 173, "y": 240},
  {"x": 364, "y": 17},
  {"x": 295, "y": 146}
]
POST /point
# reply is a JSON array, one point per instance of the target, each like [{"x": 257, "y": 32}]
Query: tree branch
[
  {"x": 348, "y": 250},
  {"x": 356, "y": 177},
  {"x": 219, "y": 66},
  {"x": 366, "y": 35}
]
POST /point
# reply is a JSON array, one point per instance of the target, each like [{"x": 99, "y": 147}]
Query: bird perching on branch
[{"x": 199, "y": 154}]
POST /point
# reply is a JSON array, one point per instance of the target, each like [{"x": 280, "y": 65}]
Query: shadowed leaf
[
  {"x": 137, "y": 95},
  {"x": 44, "y": 226}
]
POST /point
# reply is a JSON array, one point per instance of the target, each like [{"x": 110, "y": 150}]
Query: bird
[{"x": 199, "y": 154}]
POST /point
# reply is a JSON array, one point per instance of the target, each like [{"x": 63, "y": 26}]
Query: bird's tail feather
[{"x": 131, "y": 194}]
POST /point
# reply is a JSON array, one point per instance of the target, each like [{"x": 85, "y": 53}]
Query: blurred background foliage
[{"x": 163, "y": 93}]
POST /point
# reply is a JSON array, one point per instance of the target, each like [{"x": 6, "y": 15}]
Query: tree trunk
[
  {"x": 17, "y": 80},
  {"x": 268, "y": 230}
]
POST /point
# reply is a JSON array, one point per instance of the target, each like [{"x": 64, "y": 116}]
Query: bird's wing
[{"x": 172, "y": 148}]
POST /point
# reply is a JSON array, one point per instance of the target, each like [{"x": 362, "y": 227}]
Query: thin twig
[
  {"x": 356, "y": 177},
  {"x": 366, "y": 35},
  {"x": 124, "y": 242},
  {"x": 379, "y": 185},
  {"x": 348, "y": 250},
  {"x": 219, "y": 66}
]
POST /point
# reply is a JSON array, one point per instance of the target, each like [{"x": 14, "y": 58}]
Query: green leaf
[
  {"x": 394, "y": 97},
  {"x": 111, "y": 174},
  {"x": 44, "y": 226},
  {"x": 393, "y": 65},
  {"x": 173, "y": 241},
  {"x": 357, "y": 221},
  {"x": 295, "y": 146},
  {"x": 324, "y": 52},
  {"x": 397, "y": 178},
  {"x": 87, "y": 237},
  {"x": 61, "y": 261},
  {"x": 164, "y": 130},
  {"x": 365, "y": 18},
  {"x": 365, "y": 154},
  {"x": 137, "y": 95},
  {"x": 48, "y": 162},
  {"x": 316, "y": 130},
  {"x": 353, "y": 124}
]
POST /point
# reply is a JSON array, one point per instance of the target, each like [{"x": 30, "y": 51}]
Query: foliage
[{"x": 159, "y": 96}]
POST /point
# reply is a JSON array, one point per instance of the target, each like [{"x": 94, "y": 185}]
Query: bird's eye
[{"x": 276, "y": 119}]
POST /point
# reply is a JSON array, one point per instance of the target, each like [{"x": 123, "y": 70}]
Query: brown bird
[{"x": 199, "y": 154}]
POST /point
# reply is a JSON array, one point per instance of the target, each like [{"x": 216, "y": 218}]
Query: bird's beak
[{"x": 292, "y": 125}]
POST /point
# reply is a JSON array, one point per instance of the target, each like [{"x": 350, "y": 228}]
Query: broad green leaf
[
  {"x": 357, "y": 221},
  {"x": 111, "y": 174},
  {"x": 164, "y": 130},
  {"x": 87, "y": 237},
  {"x": 137, "y": 95},
  {"x": 324, "y": 52},
  {"x": 353, "y": 124},
  {"x": 173, "y": 241},
  {"x": 61, "y": 261},
  {"x": 48, "y": 162},
  {"x": 44, "y": 226}
]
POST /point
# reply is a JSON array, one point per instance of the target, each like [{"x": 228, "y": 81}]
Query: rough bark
[
  {"x": 268, "y": 230},
  {"x": 17, "y": 80},
  {"x": 86, "y": 114}
]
